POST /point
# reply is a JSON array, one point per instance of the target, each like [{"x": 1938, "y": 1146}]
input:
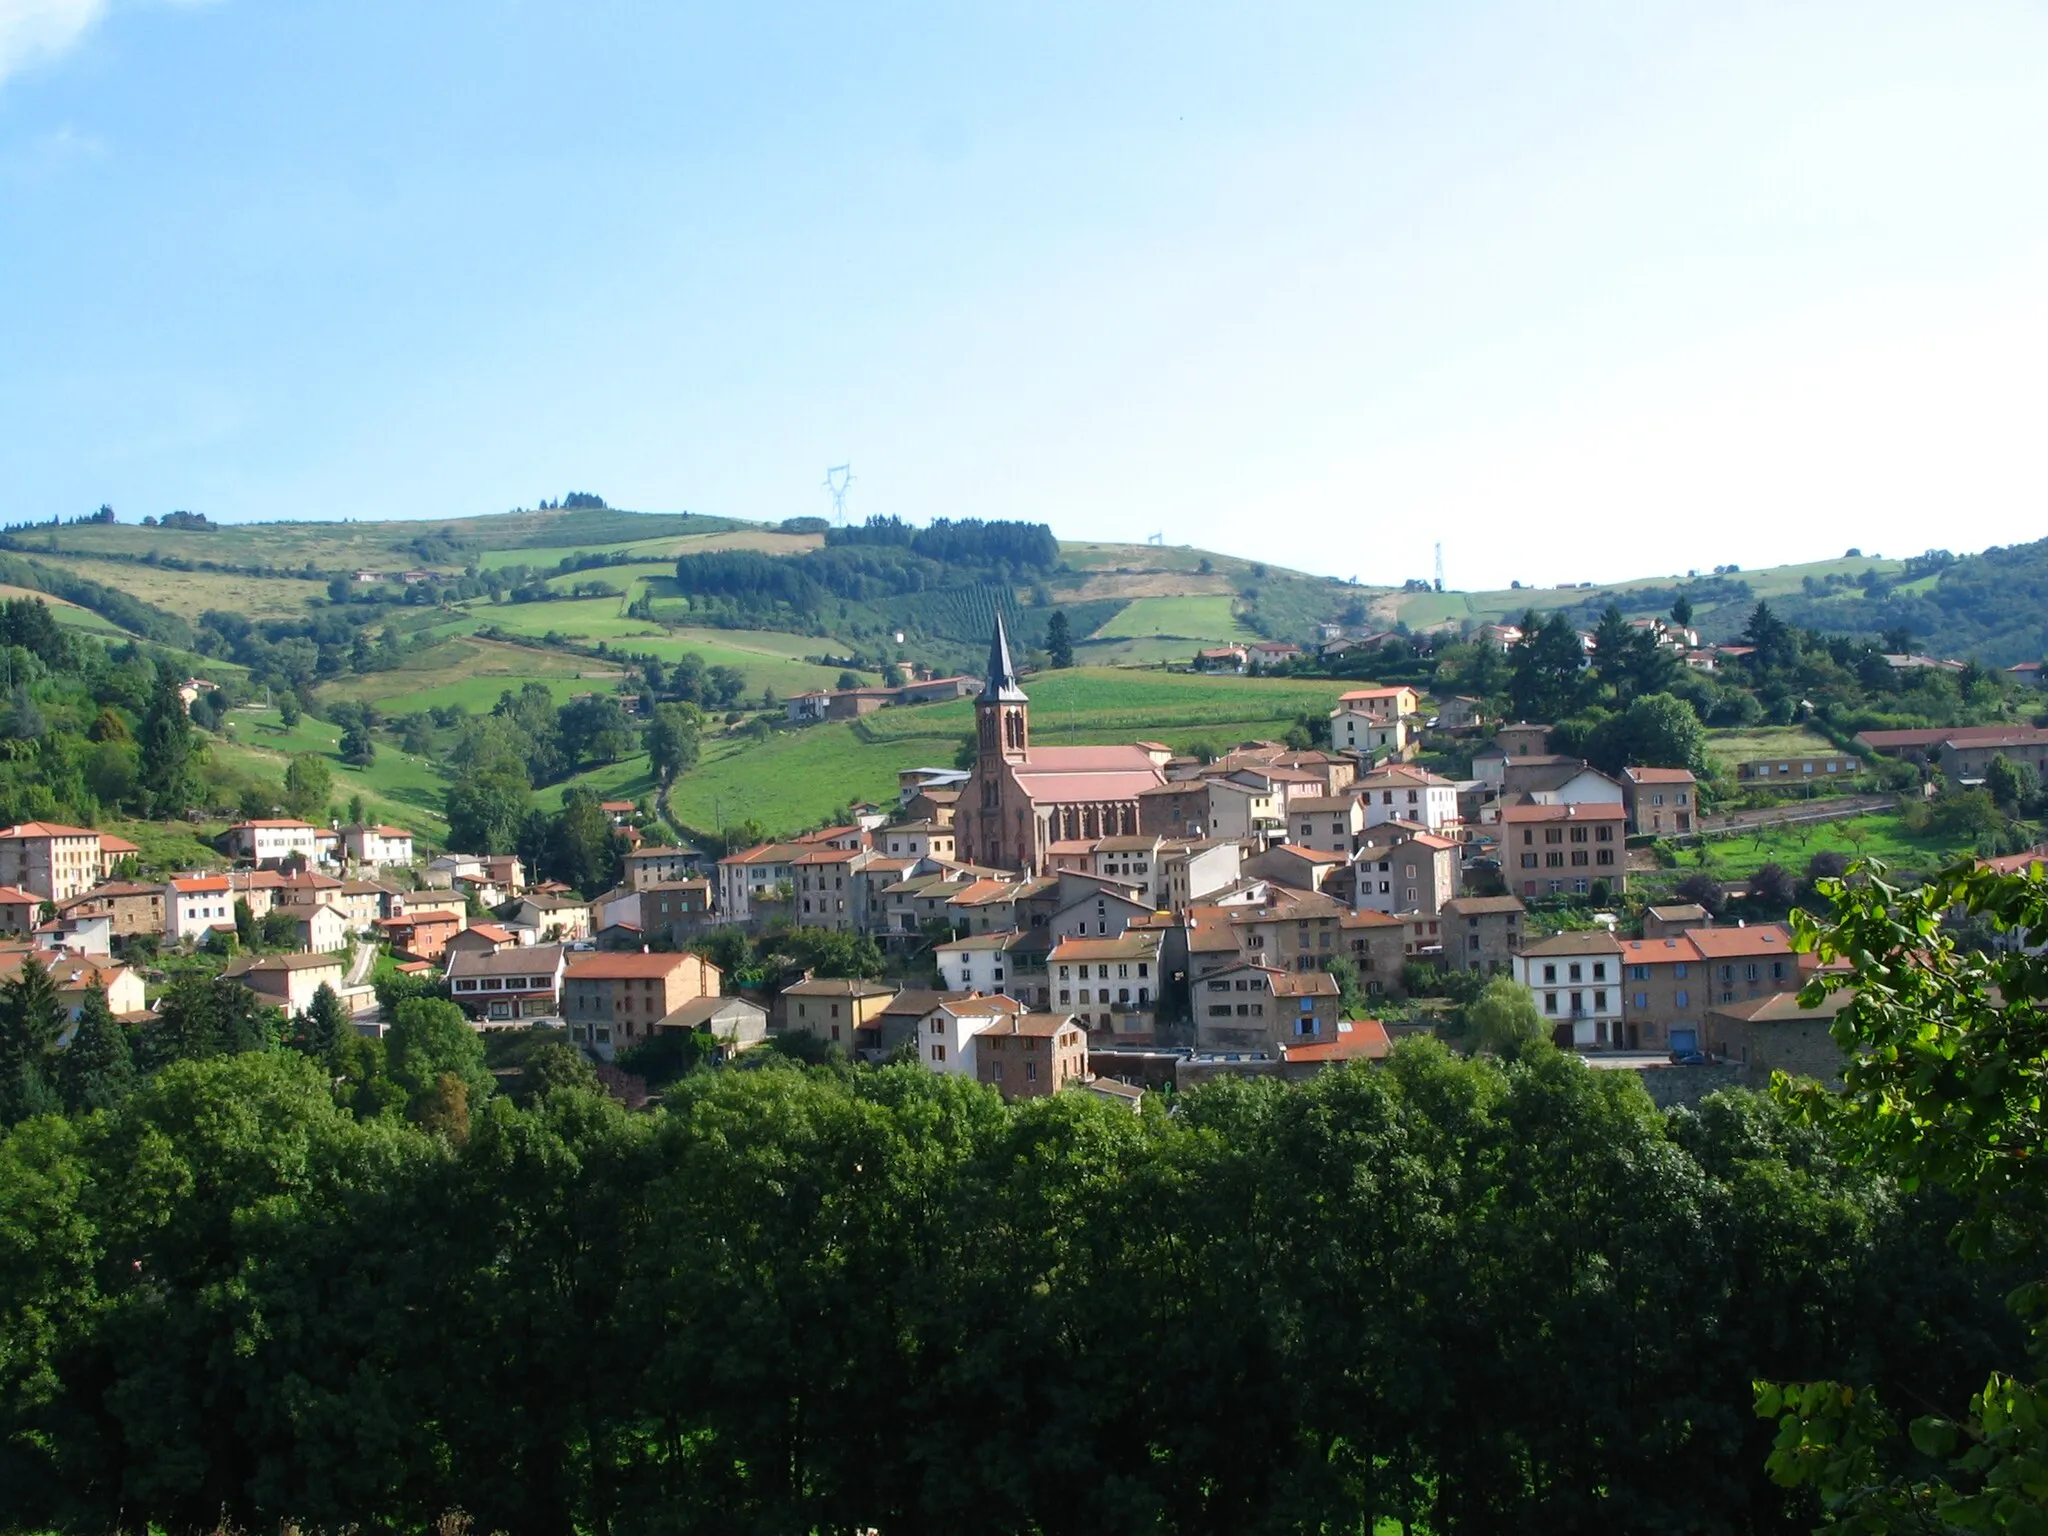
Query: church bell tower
[{"x": 1002, "y": 715}]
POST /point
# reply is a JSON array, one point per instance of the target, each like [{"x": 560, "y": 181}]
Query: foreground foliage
[
  {"x": 1484, "y": 1297},
  {"x": 1948, "y": 1061}
]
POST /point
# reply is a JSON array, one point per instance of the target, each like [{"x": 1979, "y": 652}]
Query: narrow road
[
  {"x": 359, "y": 968},
  {"x": 1798, "y": 812}
]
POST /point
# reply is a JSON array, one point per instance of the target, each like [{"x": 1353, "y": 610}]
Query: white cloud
[{"x": 33, "y": 30}]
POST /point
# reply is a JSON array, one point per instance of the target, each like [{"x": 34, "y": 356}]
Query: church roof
[{"x": 1001, "y": 686}]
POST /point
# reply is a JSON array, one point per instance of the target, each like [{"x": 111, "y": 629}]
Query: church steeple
[
  {"x": 1002, "y": 713},
  {"x": 1001, "y": 685}
]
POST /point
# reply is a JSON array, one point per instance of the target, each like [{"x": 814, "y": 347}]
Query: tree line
[{"x": 1466, "y": 1295}]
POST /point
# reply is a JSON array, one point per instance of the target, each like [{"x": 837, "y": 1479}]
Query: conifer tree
[{"x": 96, "y": 1070}]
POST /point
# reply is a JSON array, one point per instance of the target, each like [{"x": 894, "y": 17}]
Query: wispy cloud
[{"x": 34, "y": 30}]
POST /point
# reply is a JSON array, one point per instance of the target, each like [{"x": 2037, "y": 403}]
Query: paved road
[
  {"x": 1798, "y": 812},
  {"x": 359, "y": 968}
]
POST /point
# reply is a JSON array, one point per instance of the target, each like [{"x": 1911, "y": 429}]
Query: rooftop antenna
[
  {"x": 1439, "y": 566},
  {"x": 837, "y": 481}
]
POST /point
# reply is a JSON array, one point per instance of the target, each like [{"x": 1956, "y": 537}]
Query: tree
[
  {"x": 576, "y": 845},
  {"x": 1772, "y": 887},
  {"x": 1059, "y": 640},
  {"x": 1548, "y": 678},
  {"x": 848, "y": 681},
  {"x": 1703, "y": 891},
  {"x": 1681, "y": 612},
  {"x": 429, "y": 1039},
  {"x": 167, "y": 748},
  {"x": 674, "y": 740},
  {"x": 1657, "y": 730},
  {"x": 1776, "y": 645},
  {"x": 2013, "y": 786},
  {"x": 358, "y": 746},
  {"x": 96, "y": 1070},
  {"x": 307, "y": 783},
  {"x": 324, "y": 1025},
  {"x": 358, "y": 812},
  {"x": 288, "y": 710},
  {"x": 31, "y": 1020},
  {"x": 1944, "y": 1067},
  {"x": 1504, "y": 1017},
  {"x": 245, "y": 923},
  {"x": 594, "y": 729}
]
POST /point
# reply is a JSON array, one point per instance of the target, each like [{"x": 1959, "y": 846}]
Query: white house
[
  {"x": 194, "y": 905},
  {"x": 377, "y": 845},
  {"x": 321, "y": 930},
  {"x": 1245, "y": 810},
  {"x": 1373, "y": 721},
  {"x": 946, "y": 1043},
  {"x": 1131, "y": 861},
  {"x": 1576, "y": 978},
  {"x": 273, "y": 841},
  {"x": 977, "y": 963},
  {"x": 1400, "y": 792}
]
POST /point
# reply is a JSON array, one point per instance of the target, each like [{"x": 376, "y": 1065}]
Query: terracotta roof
[
  {"x": 1659, "y": 775},
  {"x": 1405, "y": 773},
  {"x": 1043, "y": 1026},
  {"x": 1357, "y": 1040},
  {"x": 826, "y": 856},
  {"x": 203, "y": 885},
  {"x": 1136, "y": 945},
  {"x": 1372, "y": 693},
  {"x": 490, "y": 931},
  {"x": 1304, "y": 984},
  {"x": 2015, "y": 737},
  {"x": 112, "y": 844},
  {"x": 1733, "y": 943},
  {"x": 1370, "y": 920},
  {"x": 1783, "y": 1007},
  {"x": 47, "y": 829},
  {"x": 1671, "y": 949},
  {"x": 274, "y": 822},
  {"x": 620, "y": 967},
  {"x": 13, "y": 896},
  {"x": 1582, "y": 812}
]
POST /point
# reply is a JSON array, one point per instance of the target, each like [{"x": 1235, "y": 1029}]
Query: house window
[
  {"x": 1642, "y": 1000},
  {"x": 1682, "y": 998},
  {"x": 1550, "y": 1002}
]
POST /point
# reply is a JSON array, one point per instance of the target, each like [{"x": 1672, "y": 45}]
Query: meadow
[
  {"x": 1749, "y": 743},
  {"x": 1209, "y": 620},
  {"x": 472, "y": 673},
  {"x": 794, "y": 778},
  {"x": 190, "y": 593},
  {"x": 69, "y": 614},
  {"x": 396, "y": 787}
]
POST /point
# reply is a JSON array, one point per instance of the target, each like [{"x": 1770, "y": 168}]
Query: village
[{"x": 1107, "y": 918}]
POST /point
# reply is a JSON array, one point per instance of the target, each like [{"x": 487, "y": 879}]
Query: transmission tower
[
  {"x": 1156, "y": 538},
  {"x": 838, "y": 479},
  {"x": 1439, "y": 567}
]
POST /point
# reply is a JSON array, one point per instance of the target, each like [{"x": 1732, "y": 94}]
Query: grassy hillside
[{"x": 793, "y": 778}]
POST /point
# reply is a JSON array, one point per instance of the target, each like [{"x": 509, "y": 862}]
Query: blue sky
[{"x": 1582, "y": 290}]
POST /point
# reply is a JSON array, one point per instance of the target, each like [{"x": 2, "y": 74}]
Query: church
[{"x": 1022, "y": 799}]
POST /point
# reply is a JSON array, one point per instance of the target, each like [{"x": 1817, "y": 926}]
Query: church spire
[{"x": 1001, "y": 684}]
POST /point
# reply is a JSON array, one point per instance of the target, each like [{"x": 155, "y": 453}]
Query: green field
[
  {"x": 1880, "y": 836},
  {"x": 1424, "y": 609},
  {"x": 665, "y": 548},
  {"x": 1756, "y": 742},
  {"x": 68, "y": 614},
  {"x": 1136, "y": 704},
  {"x": 190, "y": 593},
  {"x": 1204, "y": 619},
  {"x": 471, "y": 673},
  {"x": 396, "y": 787},
  {"x": 796, "y": 777}
]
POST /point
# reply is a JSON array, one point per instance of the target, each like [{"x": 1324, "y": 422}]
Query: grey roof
[
  {"x": 1001, "y": 686},
  {"x": 699, "y": 1011},
  {"x": 520, "y": 960}
]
